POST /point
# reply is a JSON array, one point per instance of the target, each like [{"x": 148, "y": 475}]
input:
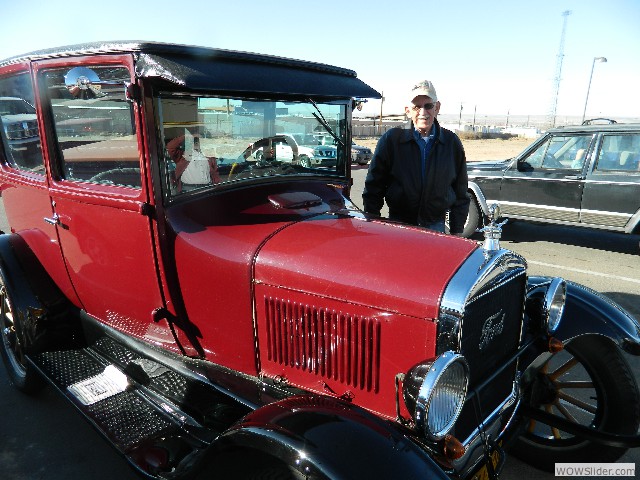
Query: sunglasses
[{"x": 426, "y": 106}]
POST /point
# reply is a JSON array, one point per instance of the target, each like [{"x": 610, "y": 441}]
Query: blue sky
[{"x": 494, "y": 56}]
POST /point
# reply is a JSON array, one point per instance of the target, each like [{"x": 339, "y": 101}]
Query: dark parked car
[
  {"x": 360, "y": 155},
  {"x": 20, "y": 129},
  {"x": 586, "y": 176},
  {"x": 216, "y": 316}
]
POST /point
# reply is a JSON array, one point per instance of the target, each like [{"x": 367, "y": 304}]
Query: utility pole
[
  {"x": 381, "y": 102},
  {"x": 551, "y": 118},
  {"x": 596, "y": 59}
]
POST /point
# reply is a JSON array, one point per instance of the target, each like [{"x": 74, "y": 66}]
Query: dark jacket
[{"x": 395, "y": 175}]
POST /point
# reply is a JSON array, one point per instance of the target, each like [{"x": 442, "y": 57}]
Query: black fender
[
  {"x": 476, "y": 191},
  {"x": 324, "y": 437},
  {"x": 589, "y": 312},
  {"x": 42, "y": 311}
]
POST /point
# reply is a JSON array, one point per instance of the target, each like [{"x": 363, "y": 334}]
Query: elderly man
[{"x": 421, "y": 171}]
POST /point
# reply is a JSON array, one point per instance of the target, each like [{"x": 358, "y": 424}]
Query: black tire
[
  {"x": 249, "y": 465},
  {"x": 473, "y": 219},
  {"x": 607, "y": 399},
  {"x": 305, "y": 161},
  {"x": 22, "y": 374}
]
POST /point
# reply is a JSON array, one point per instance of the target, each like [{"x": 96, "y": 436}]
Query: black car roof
[
  {"x": 594, "y": 128},
  {"x": 203, "y": 68}
]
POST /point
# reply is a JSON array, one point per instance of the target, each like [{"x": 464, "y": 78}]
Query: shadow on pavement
[{"x": 516, "y": 230}]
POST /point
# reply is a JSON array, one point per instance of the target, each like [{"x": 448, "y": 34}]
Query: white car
[{"x": 285, "y": 148}]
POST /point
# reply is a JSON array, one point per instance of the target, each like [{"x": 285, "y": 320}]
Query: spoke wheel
[
  {"x": 22, "y": 374},
  {"x": 588, "y": 383}
]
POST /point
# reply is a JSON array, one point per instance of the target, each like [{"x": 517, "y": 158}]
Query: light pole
[{"x": 595, "y": 59}]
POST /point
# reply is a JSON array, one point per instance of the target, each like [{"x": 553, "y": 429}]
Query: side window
[
  {"x": 94, "y": 125},
  {"x": 619, "y": 152},
  {"x": 534, "y": 160},
  {"x": 20, "y": 137},
  {"x": 559, "y": 152},
  {"x": 566, "y": 152}
]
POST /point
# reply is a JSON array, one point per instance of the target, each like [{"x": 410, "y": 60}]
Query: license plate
[
  {"x": 483, "y": 473},
  {"x": 104, "y": 385}
]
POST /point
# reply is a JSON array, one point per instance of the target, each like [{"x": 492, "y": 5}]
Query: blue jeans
[{"x": 437, "y": 226}]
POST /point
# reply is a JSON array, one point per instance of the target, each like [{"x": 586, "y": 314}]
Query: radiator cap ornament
[{"x": 493, "y": 231}]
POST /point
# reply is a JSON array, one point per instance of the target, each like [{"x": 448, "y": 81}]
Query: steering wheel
[
  {"x": 266, "y": 170},
  {"x": 115, "y": 176},
  {"x": 264, "y": 149}
]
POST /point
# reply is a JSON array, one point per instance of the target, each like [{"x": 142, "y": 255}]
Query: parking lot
[{"x": 42, "y": 437}]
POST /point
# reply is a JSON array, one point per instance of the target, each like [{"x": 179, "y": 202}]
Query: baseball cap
[{"x": 425, "y": 87}]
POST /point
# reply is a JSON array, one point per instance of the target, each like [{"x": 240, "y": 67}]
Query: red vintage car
[{"x": 206, "y": 310}]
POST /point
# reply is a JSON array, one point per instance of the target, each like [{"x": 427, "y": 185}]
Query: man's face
[{"x": 422, "y": 112}]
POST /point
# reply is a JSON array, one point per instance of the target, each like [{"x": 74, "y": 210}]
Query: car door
[
  {"x": 612, "y": 190},
  {"x": 284, "y": 152},
  {"x": 24, "y": 189},
  {"x": 547, "y": 182},
  {"x": 100, "y": 199}
]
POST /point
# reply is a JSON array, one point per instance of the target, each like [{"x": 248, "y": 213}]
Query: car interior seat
[
  {"x": 609, "y": 161},
  {"x": 629, "y": 160}
]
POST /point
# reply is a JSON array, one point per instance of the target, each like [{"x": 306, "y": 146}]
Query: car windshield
[{"x": 212, "y": 141}]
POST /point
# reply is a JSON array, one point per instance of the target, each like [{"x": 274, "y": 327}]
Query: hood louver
[{"x": 334, "y": 345}]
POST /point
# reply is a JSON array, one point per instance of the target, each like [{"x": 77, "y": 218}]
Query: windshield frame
[{"x": 192, "y": 116}]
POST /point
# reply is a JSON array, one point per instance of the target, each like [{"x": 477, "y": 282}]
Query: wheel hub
[{"x": 544, "y": 390}]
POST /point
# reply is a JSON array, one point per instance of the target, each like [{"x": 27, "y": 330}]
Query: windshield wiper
[{"x": 321, "y": 120}]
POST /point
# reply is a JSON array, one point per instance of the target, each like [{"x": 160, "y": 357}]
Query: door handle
[
  {"x": 574, "y": 177},
  {"x": 55, "y": 220}
]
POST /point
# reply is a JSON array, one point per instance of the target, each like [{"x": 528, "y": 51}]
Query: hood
[
  {"x": 20, "y": 117},
  {"x": 360, "y": 148},
  {"x": 488, "y": 165},
  {"x": 390, "y": 267}
]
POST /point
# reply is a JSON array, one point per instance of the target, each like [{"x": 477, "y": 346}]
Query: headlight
[
  {"x": 434, "y": 393},
  {"x": 554, "y": 301}
]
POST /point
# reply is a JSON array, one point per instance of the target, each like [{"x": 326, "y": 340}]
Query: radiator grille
[
  {"x": 331, "y": 344},
  {"x": 504, "y": 301}
]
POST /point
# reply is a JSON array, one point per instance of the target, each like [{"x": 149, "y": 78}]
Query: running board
[{"x": 159, "y": 419}]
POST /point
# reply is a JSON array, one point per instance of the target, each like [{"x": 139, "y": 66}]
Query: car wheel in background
[
  {"x": 305, "y": 161},
  {"x": 473, "y": 221}
]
